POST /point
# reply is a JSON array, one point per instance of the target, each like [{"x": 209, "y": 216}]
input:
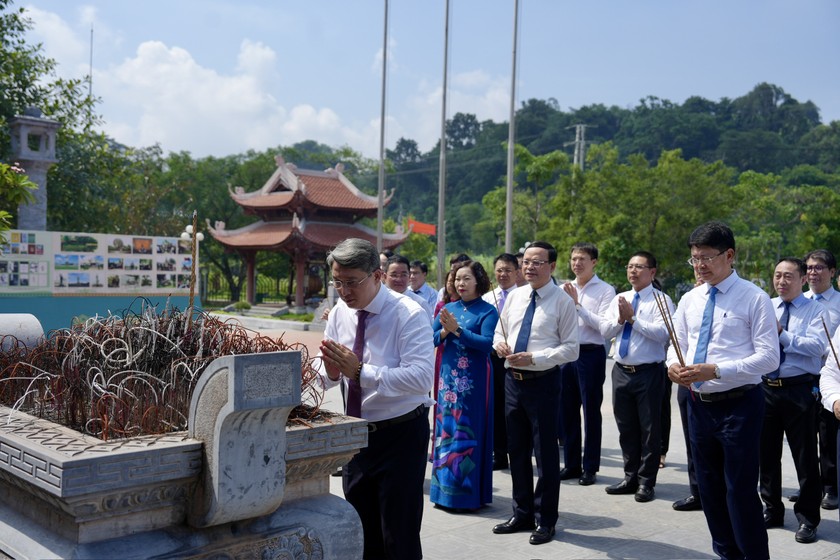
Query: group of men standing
[{"x": 747, "y": 368}]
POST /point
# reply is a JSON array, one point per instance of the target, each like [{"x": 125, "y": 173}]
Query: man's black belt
[
  {"x": 788, "y": 381},
  {"x": 590, "y": 347},
  {"x": 735, "y": 393},
  {"x": 522, "y": 375},
  {"x": 419, "y": 411},
  {"x": 640, "y": 367}
]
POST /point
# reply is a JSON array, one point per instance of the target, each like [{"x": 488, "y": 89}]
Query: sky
[{"x": 220, "y": 77}]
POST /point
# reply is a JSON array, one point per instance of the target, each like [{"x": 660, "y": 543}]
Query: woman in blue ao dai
[{"x": 462, "y": 465}]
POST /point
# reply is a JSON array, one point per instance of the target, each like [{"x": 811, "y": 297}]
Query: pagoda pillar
[
  {"x": 300, "y": 278},
  {"x": 250, "y": 278}
]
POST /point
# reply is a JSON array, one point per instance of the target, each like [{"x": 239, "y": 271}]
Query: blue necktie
[
  {"x": 525, "y": 330},
  {"x": 705, "y": 328},
  {"x": 784, "y": 321},
  {"x": 628, "y": 328}
]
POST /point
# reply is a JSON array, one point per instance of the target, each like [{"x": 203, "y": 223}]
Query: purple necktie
[
  {"x": 502, "y": 300},
  {"x": 354, "y": 390}
]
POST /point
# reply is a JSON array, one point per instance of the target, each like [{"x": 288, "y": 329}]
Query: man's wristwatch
[
  {"x": 717, "y": 371},
  {"x": 459, "y": 330}
]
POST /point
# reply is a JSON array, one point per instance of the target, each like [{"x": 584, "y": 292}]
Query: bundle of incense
[
  {"x": 662, "y": 304},
  {"x": 504, "y": 332},
  {"x": 831, "y": 345}
]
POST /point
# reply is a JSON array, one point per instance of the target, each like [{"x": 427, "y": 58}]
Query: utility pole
[
  {"x": 441, "y": 223},
  {"x": 580, "y": 144},
  {"x": 511, "y": 139}
]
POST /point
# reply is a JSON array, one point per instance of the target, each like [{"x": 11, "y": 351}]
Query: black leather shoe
[
  {"x": 543, "y": 535},
  {"x": 771, "y": 521},
  {"x": 500, "y": 465},
  {"x": 587, "y": 478},
  {"x": 829, "y": 501},
  {"x": 569, "y": 474},
  {"x": 794, "y": 497},
  {"x": 622, "y": 487},
  {"x": 645, "y": 494},
  {"x": 691, "y": 503},
  {"x": 514, "y": 525},
  {"x": 804, "y": 534}
]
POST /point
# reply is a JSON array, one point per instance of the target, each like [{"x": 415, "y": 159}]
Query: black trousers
[
  {"x": 790, "y": 411},
  {"x": 827, "y": 430},
  {"x": 384, "y": 482},
  {"x": 637, "y": 403},
  {"x": 531, "y": 415},
  {"x": 683, "y": 396},
  {"x": 583, "y": 387},
  {"x": 500, "y": 446}
]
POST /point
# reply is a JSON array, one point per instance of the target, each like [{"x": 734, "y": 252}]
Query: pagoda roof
[
  {"x": 296, "y": 233},
  {"x": 296, "y": 190}
]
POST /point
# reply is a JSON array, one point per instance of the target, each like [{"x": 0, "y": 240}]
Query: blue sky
[{"x": 219, "y": 77}]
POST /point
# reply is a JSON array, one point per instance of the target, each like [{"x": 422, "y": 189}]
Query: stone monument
[{"x": 33, "y": 147}]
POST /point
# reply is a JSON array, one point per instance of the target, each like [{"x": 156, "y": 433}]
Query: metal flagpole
[
  {"x": 441, "y": 225},
  {"x": 381, "y": 198},
  {"x": 511, "y": 138}
]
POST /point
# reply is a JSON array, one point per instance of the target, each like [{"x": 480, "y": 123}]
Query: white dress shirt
[
  {"x": 744, "y": 341},
  {"x": 830, "y": 377},
  {"x": 398, "y": 359},
  {"x": 494, "y": 297},
  {"x": 428, "y": 293},
  {"x": 831, "y": 300},
  {"x": 421, "y": 301},
  {"x": 649, "y": 336},
  {"x": 594, "y": 299},
  {"x": 804, "y": 341},
  {"x": 554, "y": 331}
]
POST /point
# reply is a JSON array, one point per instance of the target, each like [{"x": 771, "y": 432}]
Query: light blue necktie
[
  {"x": 706, "y": 328},
  {"x": 525, "y": 330},
  {"x": 628, "y": 328}
]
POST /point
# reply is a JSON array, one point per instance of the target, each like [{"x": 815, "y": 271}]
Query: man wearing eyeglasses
[
  {"x": 638, "y": 375},
  {"x": 397, "y": 279},
  {"x": 821, "y": 266},
  {"x": 536, "y": 334},
  {"x": 726, "y": 329},
  {"x": 379, "y": 345}
]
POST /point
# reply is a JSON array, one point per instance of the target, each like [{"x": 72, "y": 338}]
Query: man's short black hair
[
  {"x": 824, "y": 255},
  {"x": 397, "y": 259},
  {"x": 712, "y": 234},
  {"x": 798, "y": 263},
  {"x": 508, "y": 258},
  {"x": 552, "y": 252},
  {"x": 585, "y": 247},
  {"x": 419, "y": 264}
]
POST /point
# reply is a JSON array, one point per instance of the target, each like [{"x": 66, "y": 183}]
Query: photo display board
[{"x": 60, "y": 263}]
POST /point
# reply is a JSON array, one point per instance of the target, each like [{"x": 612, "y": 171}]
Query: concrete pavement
[{"x": 593, "y": 524}]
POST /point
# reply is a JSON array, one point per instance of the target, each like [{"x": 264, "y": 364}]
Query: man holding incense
[{"x": 727, "y": 339}]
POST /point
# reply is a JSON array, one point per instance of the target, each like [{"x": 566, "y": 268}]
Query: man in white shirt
[
  {"x": 726, "y": 331},
  {"x": 830, "y": 384},
  {"x": 506, "y": 269},
  {"x": 638, "y": 376},
  {"x": 536, "y": 334},
  {"x": 821, "y": 267},
  {"x": 396, "y": 278},
  {"x": 417, "y": 273},
  {"x": 789, "y": 409},
  {"x": 583, "y": 379},
  {"x": 379, "y": 345}
]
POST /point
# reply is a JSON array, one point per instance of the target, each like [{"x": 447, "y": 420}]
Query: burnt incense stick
[
  {"x": 504, "y": 333},
  {"x": 662, "y": 304}
]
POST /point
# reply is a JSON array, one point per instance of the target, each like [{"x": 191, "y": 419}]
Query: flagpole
[
  {"x": 381, "y": 191},
  {"x": 441, "y": 225},
  {"x": 511, "y": 139}
]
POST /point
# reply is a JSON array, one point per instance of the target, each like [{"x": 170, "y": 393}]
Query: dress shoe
[
  {"x": 500, "y": 465},
  {"x": 804, "y": 534},
  {"x": 514, "y": 525},
  {"x": 771, "y": 521},
  {"x": 569, "y": 474},
  {"x": 794, "y": 497},
  {"x": 543, "y": 535},
  {"x": 622, "y": 487},
  {"x": 691, "y": 503},
  {"x": 829, "y": 501},
  {"x": 587, "y": 478},
  {"x": 645, "y": 494}
]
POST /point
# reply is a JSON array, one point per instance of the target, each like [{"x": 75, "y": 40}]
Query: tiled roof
[{"x": 277, "y": 235}]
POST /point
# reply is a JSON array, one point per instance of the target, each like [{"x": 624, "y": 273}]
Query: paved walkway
[{"x": 592, "y": 523}]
